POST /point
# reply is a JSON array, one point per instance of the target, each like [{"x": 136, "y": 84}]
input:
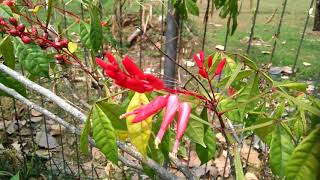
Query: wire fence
[{"x": 45, "y": 146}]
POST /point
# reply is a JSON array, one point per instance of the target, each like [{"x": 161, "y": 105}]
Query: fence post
[{"x": 171, "y": 45}]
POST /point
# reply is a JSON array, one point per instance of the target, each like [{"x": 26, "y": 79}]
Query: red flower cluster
[
  {"x": 172, "y": 105},
  {"x": 133, "y": 78},
  {"x": 203, "y": 70}
]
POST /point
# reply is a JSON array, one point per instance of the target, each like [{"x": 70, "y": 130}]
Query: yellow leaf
[
  {"x": 72, "y": 47},
  {"x": 122, "y": 135},
  {"x": 36, "y": 9},
  {"x": 139, "y": 133}
]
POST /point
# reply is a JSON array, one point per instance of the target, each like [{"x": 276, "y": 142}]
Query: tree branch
[
  {"x": 57, "y": 119},
  {"x": 162, "y": 172}
]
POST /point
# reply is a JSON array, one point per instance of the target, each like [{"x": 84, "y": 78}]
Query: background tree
[{"x": 316, "y": 26}]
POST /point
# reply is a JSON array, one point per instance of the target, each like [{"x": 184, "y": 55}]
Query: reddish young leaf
[
  {"x": 210, "y": 59},
  {"x": 231, "y": 91},
  {"x": 183, "y": 119}
]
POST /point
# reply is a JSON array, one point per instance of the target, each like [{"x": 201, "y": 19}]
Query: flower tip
[
  {"x": 157, "y": 142},
  {"x": 175, "y": 147}
]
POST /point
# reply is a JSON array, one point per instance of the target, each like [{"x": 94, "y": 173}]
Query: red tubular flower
[
  {"x": 171, "y": 109},
  {"x": 148, "y": 110},
  {"x": 133, "y": 79},
  {"x": 131, "y": 67},
  {"x": 154, "y": 81},
  {"x": 220, "y": 67},
  {"x": 183, "y": 119},
  {"x": 199, "y": 58},
  {"x": 203, "y": 73},
  {"x": 111, "y": 59}
]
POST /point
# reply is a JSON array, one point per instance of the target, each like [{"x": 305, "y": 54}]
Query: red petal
[
  {"x": 152, "y": 108},
  {"x": 203, "y": 73},
  {"x": 201, "y": 55},
  {"x": 111, "y": 58},
  {"x": 154, "y": 81},
  {"x": 131, "y": 67},
  {"x": 183, "y": 119},
  {"x": 101, "y": 63},
  {"x": 220, "y": 67},
  {"x": 171, "y": 109},
  {"x": 198, "y": 60}
]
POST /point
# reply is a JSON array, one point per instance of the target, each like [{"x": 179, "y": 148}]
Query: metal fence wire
[{"x": 33, "y": 142}]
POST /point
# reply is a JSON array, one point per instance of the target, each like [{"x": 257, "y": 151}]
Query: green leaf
[
  {"x": 294, "y": 86},
  {"x": 84, "y": 141},
  {"x": 205, "y": 154},
  {"x": 7, "y": 51},
  {"x": 84, "y": 34},
  {"x": 251, "y": 90},
  {"x": 233, "y": 76},
  {"x": 104, "y": 134},
  {"x": 5, "y": 11},
  {"x": 13, "y": 84},
  {"x": 49, "y": 11},
  {"x": 16, "y": 177},
  {"x": 32, "y": 58},
  {"x": 242, "y": 74},
  {"x": 301, "y": 104},
  {"x": 192, "y": 7},
  {"x": 281, "y": 148},
  {"x": 237, "y": 164},
  {"x": 304, "y": 162},
  {"x": 195, "y": 131},
  {"x": 113, "y": 111},
  {"x": 139, "y": 133},
  {"x": 95, "y": 29}
]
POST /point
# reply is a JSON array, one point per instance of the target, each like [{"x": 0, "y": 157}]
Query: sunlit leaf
[
  {"x": 104, "y": 134},
  {"x": 139, "y": 133},
  {"x": 304, "y": 162},
  {"x": 281, "y": 148},
  {"x": 72, "y": 47}
]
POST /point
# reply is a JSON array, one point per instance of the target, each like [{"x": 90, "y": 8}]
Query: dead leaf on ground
[
  {"x": 265, "y": 52},
  {"x": 36, "y": 119},
  {"x": 220, "y": 138},
  {"x": 2, "y": 124},
  {"x": 41, "y": 140},
  {"x": 43, "y": 153},
  {"x": 55, "y": 129},
  {"x": 35, "y": 113},
  {"x": 250, "y": 176},
  {"x": 97, "y": 154},
  {"x": 194, "y": 160},
  {"x": 253, "y": 157},
  {"x": 18, "y": 146},
  {"x": 220, "y": 163},
  {"x": 306, "y": 64},
  {"x": 220, "y": 47},
  {"x": 12, "y": 127},
  {"x": 206, "y": 170}
]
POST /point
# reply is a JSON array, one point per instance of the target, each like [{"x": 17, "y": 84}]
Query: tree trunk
[
  {"x": 171, "y": 46},
  {"x": 316, "y": 26}
]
